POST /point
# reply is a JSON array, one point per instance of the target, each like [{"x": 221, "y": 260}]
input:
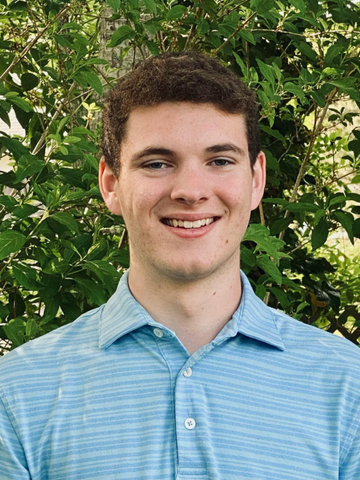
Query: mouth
[{"x": 177, "y": 223}]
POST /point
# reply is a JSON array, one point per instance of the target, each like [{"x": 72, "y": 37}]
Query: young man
[{"x": 184, "y": 374}]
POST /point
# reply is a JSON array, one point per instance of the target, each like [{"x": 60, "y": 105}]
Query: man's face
[{"x": 185, "y": 189}]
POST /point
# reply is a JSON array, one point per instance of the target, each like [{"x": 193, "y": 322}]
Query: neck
[{"x": 196, "y": 311}]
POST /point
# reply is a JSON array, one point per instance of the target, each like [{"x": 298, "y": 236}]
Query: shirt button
[
  {"x": 158, "y": 332},
  {"x": 190, "y": 423},
  {"x": 187, "y": 372}
]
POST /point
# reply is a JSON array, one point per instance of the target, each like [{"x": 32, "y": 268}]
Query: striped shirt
[{"x": 116, "y": 396}]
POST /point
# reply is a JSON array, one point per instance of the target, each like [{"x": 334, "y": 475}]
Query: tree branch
[
  {"x": 33, "y": 42},
  {"x": 316, "y": 130},
  {"x": 240, "y": 27}
]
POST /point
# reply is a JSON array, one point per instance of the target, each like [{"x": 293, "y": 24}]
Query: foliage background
[{"x": 62, "y": 253}]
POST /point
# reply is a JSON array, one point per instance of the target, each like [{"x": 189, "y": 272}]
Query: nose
[{"x": 191, "y": 185}]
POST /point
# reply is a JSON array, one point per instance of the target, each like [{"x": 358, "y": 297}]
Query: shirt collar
[
  {"x": 255, "y": 319},
  {"x": 122, "y": 314}
]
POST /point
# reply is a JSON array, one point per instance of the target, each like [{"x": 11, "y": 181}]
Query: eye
[
  {"x": 222, "y": 162},
  {"x": 155, "y": 165}
]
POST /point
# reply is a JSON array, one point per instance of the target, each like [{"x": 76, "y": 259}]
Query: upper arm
[
  {"x": 13, "y": 463},
  {"x": 350, "y": 461}
]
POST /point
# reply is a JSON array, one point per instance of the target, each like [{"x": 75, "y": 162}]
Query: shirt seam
[{"x": 344, "y": 451}]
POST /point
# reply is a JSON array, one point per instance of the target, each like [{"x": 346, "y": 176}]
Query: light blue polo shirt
[{"x": 116, "y": 396}]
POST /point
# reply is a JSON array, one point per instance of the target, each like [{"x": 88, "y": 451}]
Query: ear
[
  {"x": 109, "y": 184},
  {"x": 258, "y": 181}
]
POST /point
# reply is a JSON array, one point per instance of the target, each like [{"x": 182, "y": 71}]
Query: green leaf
[
  {"x": 24, "y": 211},
  {"x": 8, "y": 201},
  {"x": 354, "y": 146},
  {"x": 14, "y": 146},
  {"x": 273, "y": 133},
  {"x": 125, "y": 32},
  {"x": 82, "y": 131},
  {"x": 96, "y": 61},
  {"x": 248, "y": 36},
  {"x": 32, "y": 328},
  {"x": 346, "y": 220},
  {"x": 266, "y": 71},
  {"x": 337, "y": 200},
  {"x": 70, "y": 26},
  {"x": 247, "y": 256},
  {"x": 150, "y": 5},
  {"x": 319, "y": 98},
  {"x": 51, "y": 309},
  {"x": 271, "y": 161},
  {"x": 241, "y": 64},
  {"x": 103, "y": 270},
  {"x": 302, "y": 207},
  {"x": 299, "y": 4},
  {"x": 356, "y": 179},
  {"x": 65, "y": 219},
  {"x": 261, "y": 6},
  {"x": 27, "y": 166},
  {"x": 91, "y": 160},
  {"x": 26, "y": 276},
  {"x": 4, "y": 116},
  {"x": 295, "y": 89},
  {"x": 63, "y": 40},
  {"x": 81, "y": 39},
  {"x": 4, "y": 312},
  {"x": 269, "y": 267},
  {"x": 175, "y": 12},
  {"x": 71, "y": 139},
  {"x": 94, "y": 293},
  {"x": 260, "y": 291},
  {"x": 281, "y": 296},
  {"x": 203, "y": 27},
  {"x": 318, "y": 215},
  {"x": 280, "y": 225},
  {"x": 11, "y": 241},
  {"x": 63, "y": 150},
  {"x": 319, "y": 234},
  {"x": 19, "y": 102},
  {"x": 306, "y": 50},
  {"x": 114, "y": 4},
  {"x": 356, "y": 228},
  {"x": 152, "y": 47},
  {"x": 261, "y": 236},
  {"x": 15, "y": 331},
  {"x": 332, "y": 52},
  {"x": 275, "y": 201},
  {"x": 29, "y": 81},
  {"x": 93, "y": 80}
]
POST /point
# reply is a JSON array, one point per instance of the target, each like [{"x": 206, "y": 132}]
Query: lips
[{"x": 180, "y": 223}]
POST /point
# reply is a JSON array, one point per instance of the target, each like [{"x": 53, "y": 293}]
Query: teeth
[{"x": 187, "y": 224}]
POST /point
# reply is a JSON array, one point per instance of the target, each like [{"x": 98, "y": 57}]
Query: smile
[{"x": 186, "y": 224}]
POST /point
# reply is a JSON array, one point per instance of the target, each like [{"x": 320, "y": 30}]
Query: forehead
[{"x": 183, "y": 125}]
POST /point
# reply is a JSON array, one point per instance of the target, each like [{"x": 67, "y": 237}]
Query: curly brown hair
[{"x": 177, "y": 77}]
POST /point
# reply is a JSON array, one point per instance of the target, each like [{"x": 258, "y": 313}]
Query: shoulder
[
  {"x": 53, "y": 348},
  {"x": 308, "y": 338}
]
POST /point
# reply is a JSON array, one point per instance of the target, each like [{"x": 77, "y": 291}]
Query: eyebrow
[
  {"x": 218, "y": 148},
  {"x": 225, "y": 147}
]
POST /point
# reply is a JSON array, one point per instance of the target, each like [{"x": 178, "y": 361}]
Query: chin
[{"x": 189, "y": 273}]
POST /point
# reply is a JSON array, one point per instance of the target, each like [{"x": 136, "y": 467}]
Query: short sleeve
[
  {"x": 12, "y": 457},
  {"x": 350, "y": 466}
]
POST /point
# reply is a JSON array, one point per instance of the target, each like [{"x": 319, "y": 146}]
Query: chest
[{"x": 168, "y": 415}]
